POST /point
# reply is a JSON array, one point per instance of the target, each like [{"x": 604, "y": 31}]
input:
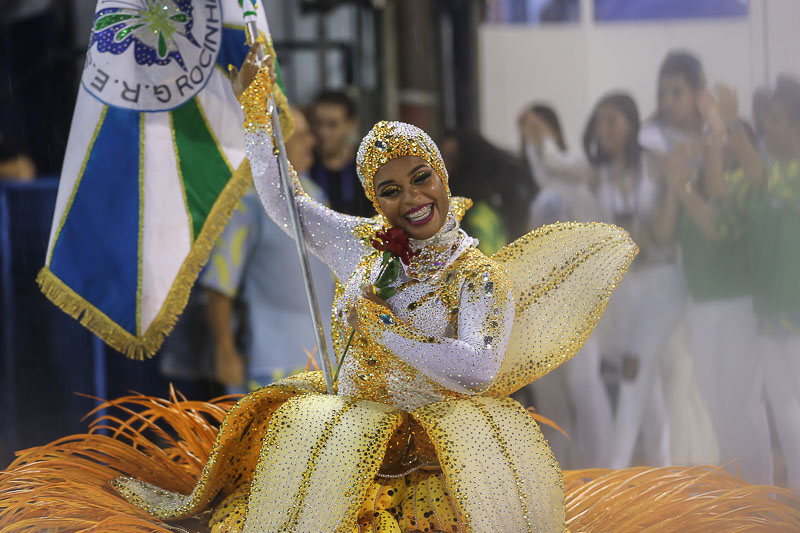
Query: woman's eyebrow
[
  {"x": 413, "y": 170},
  {"x": 388, "y": 181}
]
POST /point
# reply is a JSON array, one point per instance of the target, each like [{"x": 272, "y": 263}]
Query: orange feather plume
[{"x": 64, "y": 485}]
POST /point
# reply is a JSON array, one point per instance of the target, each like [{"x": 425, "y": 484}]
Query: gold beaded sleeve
[
  {"x": 329, "y": 235},
  {"x": 468, "y": 362}
]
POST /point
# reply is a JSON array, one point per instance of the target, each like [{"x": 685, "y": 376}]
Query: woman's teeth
[{"x": 421, "y": 214}]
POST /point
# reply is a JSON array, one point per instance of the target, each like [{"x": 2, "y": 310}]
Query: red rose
[{"x": 394, "y": 241}]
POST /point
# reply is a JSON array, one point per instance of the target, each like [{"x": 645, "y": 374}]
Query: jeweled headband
[{"x": 390, "y": 140}]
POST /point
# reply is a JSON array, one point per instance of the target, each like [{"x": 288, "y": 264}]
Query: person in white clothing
[
  {"x": 648, "y": 305},
  {"x": 559, "y": 175},
  {"x": 701, "y": 188},
  {"x": 574, "y": 396},
  {"x": 773, "y": 219}
]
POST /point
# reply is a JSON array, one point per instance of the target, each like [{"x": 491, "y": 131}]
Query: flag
[{"x": 155, "y": 164}]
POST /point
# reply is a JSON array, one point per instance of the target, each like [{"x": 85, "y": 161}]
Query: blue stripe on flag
[
  {"x": 97, "y": 251},
  {"x": 234, "y": 48}
]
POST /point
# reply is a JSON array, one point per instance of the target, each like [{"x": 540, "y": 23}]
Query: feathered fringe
[
  {"x": 541, "y": 419},
  {"x": 703, "y": 498},
  {"x": 145, "y": 346},
  {"x": 64, "y": 485}
]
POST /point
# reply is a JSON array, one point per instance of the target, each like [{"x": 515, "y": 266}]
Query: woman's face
[
  {"x": 412, "y": 196},
  {"x": 450, "y": 152},
  {"x": 781, "y": 136},
  {"x": 300, "y": 146},
  {"x": 677, "y": 101},
  {"x": 612, "y": 130}
]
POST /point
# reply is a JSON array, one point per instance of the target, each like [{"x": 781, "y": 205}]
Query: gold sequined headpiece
[{"x": 390, "y": 140}]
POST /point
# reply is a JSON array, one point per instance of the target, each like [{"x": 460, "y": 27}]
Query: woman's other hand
[
  {"x": 531, "y": 128},
  {"x": 728, "y": 103},
  {"x": 352, "y": 318},
  {"x": 678, "y": 168},
  {"x": 368, "y": 293},
  {"x": 243, "y": 77},
  {"x": 712, "y": 114}
]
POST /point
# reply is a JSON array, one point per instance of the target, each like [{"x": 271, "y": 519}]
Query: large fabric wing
[{"x": 563, "y": 275}]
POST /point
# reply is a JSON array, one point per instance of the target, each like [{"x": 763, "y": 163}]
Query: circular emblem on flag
[{"x": 152, "y": 55}]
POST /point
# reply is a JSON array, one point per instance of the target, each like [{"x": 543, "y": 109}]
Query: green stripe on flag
[
  {"x": 280, "y": 76},
  {"x": 202, "y": 165}
]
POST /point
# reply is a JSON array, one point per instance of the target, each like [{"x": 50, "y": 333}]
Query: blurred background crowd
[{"x": 678, "y": 120}]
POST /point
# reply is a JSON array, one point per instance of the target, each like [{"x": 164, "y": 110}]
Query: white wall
[
  {"x": 287, "y": 22},
  {"x": 782, "y": 19},
  {"x": 572, "y": 66}
]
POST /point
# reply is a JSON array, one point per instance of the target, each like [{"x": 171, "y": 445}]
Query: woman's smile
[{"x": 419, "y": 216}]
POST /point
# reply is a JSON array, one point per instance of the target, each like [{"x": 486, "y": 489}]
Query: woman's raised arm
[{"x": 329, "y": 235}]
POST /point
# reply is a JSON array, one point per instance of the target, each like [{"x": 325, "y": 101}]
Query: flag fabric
[{"x": 155, "y": 164}]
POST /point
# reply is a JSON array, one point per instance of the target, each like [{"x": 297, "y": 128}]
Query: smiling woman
[{"x": 421, "y": 434}]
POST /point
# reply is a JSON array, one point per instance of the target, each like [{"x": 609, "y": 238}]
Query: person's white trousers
[
  {"x": 692, "y": 438},
  {"x": 575, "y": 397},
  {"x": 646, "y": 316},
  {"x": 593, "y": 428},
  {"x": 781, "y": 357},
  {"x": 730, "y": 379}
]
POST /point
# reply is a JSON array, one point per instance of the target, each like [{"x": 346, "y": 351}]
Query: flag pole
[{"x": 294, "y": 215}]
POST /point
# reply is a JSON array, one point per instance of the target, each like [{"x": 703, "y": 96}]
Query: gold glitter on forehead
[{"x": 390, "y": 140}]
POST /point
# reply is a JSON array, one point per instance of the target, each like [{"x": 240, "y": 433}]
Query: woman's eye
[
  {"x": 422, "y": 176},
  {"x": 389, "y": 191}
]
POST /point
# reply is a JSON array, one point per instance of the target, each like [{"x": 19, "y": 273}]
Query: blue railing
[{"x": 47, "y": 356}]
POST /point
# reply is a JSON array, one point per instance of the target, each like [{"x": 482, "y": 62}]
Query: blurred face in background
[
  {"x": 300, "y": 148},
  {"x": 332, "y": 128},
  {"x": 781, "y": 135},
  {"x": 677, "y": 101},
  {"x": 450, "y": 152},
  {"x": 18, "y": 167},
  {"x": 612, "y": 130}
]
